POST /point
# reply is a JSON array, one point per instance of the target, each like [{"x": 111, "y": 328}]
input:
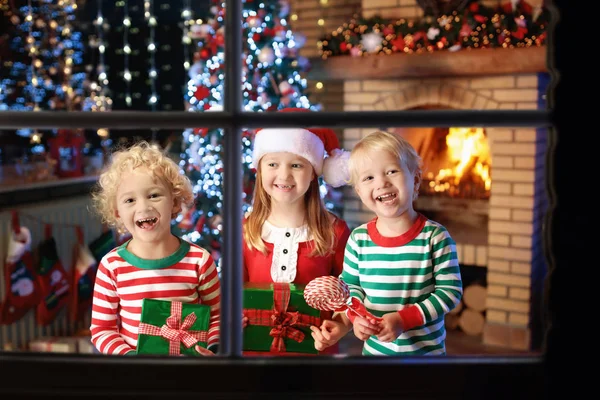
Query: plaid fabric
[
  {"x": 175, "y": 331},
  {"x": 283, "y": 322}
]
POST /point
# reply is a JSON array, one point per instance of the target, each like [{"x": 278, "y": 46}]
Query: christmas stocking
[
  {"x": 103, "y": 244},
  {"x": 53, "y": 281},
  {"x": 22, "y": 293},
  {"x": 82, "y": 282}
]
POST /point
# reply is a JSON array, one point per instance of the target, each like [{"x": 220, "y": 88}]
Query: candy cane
[{"x": 328, "y": 293}]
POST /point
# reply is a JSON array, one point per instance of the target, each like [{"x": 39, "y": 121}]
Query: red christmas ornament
[
  {"x": 201, "y": 132},
  {"x": 398, "y": 43},
  {"x": 480, "y": 18},
  {"x": 465, "y": 30},
  {"x": 520, "y": 33},
  {"x": 201, "y": 92}
]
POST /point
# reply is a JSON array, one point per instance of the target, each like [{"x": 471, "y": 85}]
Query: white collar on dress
[{"x": 274, "y": 234}]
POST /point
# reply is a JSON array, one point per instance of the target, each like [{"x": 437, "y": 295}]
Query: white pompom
[
  {"x": 335, "y": 168},
  {"x": 18, "y": 244}
]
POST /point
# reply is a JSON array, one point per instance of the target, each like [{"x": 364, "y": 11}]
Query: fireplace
[
  {"x": 495, "y": 208},
  {"x": 456, "y": 180},
  {"x": 496, "y": 220}
]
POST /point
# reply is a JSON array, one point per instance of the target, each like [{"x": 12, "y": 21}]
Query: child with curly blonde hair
[{"x": 140, "y": 191}]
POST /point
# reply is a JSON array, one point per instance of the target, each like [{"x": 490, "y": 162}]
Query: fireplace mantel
[{"x": 465, "y": 62}]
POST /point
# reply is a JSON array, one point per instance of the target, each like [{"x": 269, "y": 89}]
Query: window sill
[{"x": 19, "y": 194}]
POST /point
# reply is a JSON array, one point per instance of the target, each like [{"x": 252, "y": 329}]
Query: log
[
  {"x": 451, "y": 321},
  {"x": 456, "y": 310},
  {"x": 474, "y": 297},
  {"x": 471, "y": 322}
]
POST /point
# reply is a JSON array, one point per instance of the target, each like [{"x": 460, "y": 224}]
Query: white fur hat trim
[
  {"x": 301, "y": 142},
  {"x": 335, "y": 168}
]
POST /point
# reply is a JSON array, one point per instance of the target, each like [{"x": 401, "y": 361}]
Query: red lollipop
[{"x": 328, "y": 293}]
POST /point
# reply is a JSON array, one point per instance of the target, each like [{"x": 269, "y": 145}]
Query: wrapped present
[
  {"x": 172, "y": 327},
  {"x": 279, "y": 319}
]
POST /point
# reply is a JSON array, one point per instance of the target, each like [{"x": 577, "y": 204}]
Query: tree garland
[{"x": 514, "y": 24}]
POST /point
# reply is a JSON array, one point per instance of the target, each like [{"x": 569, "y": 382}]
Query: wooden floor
[{"x": 457, "y": 343}]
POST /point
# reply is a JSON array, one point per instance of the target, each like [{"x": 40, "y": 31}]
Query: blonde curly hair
[{"x": 126, "y": 160}]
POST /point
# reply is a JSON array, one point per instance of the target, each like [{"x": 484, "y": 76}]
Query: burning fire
[{"x": 469, "y": 151}]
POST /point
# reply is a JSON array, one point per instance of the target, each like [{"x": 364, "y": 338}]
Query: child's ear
[
  {"x": 176, "y": 207},
  {"x": 417, "y": 186}
]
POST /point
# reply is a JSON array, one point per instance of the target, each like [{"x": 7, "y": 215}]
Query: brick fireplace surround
[{"x": 513, "y": 257}]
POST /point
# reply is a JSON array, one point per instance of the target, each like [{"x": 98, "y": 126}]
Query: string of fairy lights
[
  {"x": 186, "y": 40},
  {"x": 43, "y": 71},
  {"x": 127, "y": 76},
  {"x": 152, "y": 73}
]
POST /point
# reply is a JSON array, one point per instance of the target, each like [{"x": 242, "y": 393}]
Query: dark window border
[{"x": 236, "y": 377}]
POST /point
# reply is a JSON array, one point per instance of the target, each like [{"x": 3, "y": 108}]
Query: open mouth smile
[
  {"x": 386, "y": 197},
  {"x": 284, "y": 187},
  {"x": 146, "y": 223}
]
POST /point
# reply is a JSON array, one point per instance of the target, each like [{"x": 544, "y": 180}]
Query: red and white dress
[{"x": 288, "y": 258}]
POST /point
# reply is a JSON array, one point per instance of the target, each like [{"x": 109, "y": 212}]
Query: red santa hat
[{"x": 320, "y": 146}]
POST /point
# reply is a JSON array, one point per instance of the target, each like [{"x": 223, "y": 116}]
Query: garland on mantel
[{"x": 514, "y": 24}]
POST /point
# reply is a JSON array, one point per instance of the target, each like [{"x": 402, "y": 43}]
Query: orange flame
[{"x": 469, "y": 150}]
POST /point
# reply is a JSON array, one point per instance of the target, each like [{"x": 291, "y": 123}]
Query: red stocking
[
  {"x": 22, "y": 292},
  {"x": 53, "y": 280},
  {"x": 82, "y": 282}
]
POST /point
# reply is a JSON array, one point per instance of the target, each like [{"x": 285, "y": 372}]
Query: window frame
[{"x": 435, "y": 377}]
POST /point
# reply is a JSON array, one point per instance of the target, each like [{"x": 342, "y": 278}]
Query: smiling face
[
  {"x": 385, "y": 185},
  {"x": 285, "y": 177},
  {"x": 145, "y": 205}
]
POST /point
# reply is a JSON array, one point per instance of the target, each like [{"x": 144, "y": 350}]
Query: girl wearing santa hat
[{"x": 289, "y": 236}]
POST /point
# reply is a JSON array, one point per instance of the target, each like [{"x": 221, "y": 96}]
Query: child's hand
[
  {"x": 244, "y": 321},
  {"x": 391, "y": 327},
  {"x": 364, "y": 329},
  {"x": 328, "y": 334},
  {"x": 203, "y": 351}
]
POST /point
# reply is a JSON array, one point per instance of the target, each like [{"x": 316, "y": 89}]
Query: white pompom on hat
[{"x": 320, "y": 146}]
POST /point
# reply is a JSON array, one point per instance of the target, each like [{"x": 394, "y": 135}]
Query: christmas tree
[
  {"x": 271, "y": 81},
  {"x": 42, "y": 66}
]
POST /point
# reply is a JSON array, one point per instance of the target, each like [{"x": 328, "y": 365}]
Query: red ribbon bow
[
  {"x": 284, "y": 323},
  {"x": 175, "y": 331}
]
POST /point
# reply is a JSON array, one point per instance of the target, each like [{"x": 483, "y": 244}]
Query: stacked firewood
[{"x": 469, "y": 314}]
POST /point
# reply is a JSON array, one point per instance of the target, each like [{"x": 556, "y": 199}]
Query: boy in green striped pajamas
[{"x": 402, "y": 266}]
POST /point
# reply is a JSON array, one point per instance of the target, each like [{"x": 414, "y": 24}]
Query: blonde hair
[
  {"x": 320, "y": 226},
  {"x": 141, "y": 154},
  {"x": 395, "y": 145}
]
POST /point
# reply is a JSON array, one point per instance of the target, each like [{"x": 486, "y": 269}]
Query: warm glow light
[{"x": 469, "y": 154}]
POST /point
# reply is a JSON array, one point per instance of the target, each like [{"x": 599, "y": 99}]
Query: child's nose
[
  {"x": 384, "y": 182},
  {"x": 285, "y": 172},
  {"x": 145, "y": 205}
]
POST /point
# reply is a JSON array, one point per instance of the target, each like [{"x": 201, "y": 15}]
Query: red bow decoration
[
  {"x": 284, "y": 323},
  {"x": 175, "y": 331},
  {"x": 358, "y": 308}
]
